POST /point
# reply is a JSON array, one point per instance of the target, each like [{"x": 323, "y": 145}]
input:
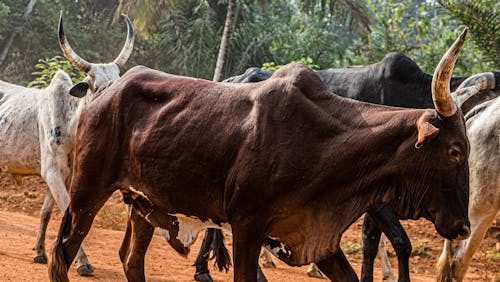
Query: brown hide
[{"x": 283, "y": 158}]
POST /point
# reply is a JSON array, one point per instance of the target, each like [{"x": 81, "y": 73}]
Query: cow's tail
[
  {"x": 222, "y": 257},
  {"x": 444, "y": 271},
  {"x": 58, "y": 267}
]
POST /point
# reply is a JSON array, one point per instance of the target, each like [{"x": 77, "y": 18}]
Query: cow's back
[
  {"x": 483, "y": 131},
  {"x": 153, "y": 126},
  {"x": 177, "y": 136},
  {"x": 19, "y": 143},
  {"x": 31, "y": 118}
]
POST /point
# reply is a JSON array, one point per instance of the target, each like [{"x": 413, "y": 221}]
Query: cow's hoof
[
  {"x": 203, "y": 277},
  {"x": 41, "y": 259},
  {"x": 269, "y": 264},
  {"x": 85, "y": 270},
  {"x": 316, "y": 273}
]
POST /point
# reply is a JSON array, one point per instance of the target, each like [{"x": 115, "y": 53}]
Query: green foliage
[
  {"x": 350, "y": 13},
  {"x": 421, "y": 250},
  {"x": 351, "y": 248},
  {"x": 4, "y": 13},
  {"x": 87, "y": 24},
  {"x": 483, "y": 19},
  {"x": 183, "y": 36},
  {"x": 306, "y": 61},
  {"x": 46, "y": 68},
  {"x": 492, "y": 255},
  {"x": 421, "y": 30}
]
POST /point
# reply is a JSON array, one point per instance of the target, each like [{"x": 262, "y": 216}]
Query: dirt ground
[{"x": 19, "y": 211}]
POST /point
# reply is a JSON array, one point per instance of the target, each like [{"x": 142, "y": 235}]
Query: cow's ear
[
  {"x": 426, "y": 131},
  {"x": 79, "y": 90}
]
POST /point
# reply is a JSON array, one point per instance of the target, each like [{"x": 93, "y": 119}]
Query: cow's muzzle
[{"x": 463, "y": 231}]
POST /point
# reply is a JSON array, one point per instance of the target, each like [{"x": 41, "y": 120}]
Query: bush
[
  {"x": 271, "y": 66},
  {"x": 46, "y": 68}
]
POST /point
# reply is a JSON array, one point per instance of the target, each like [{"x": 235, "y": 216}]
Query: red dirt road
[
  {"x": 162, "y": 263},
  {"x": 19, "y": 221}
]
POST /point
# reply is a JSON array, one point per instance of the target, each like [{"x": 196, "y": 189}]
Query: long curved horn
[
  {"x": 68, "y": 52},
  {"x": 129, "y": 44},
  {"x": 472, "y": 85},
  {"x": 483, "y": 81},
  {"x": 441, "y": 96},
  {"x": 463, "y": 94}
]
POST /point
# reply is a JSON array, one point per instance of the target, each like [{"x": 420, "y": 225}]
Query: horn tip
[
  {"x": 60, "y": 28},
  {"x": 464, "y": 34}
]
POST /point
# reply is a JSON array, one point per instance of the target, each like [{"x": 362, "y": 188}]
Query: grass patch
[
  {"x": 492, "y": 255},
  {"x": 114, "y": 218},
  {"x": 421, "y": 250},
  {"x": 351, "y": 248}
]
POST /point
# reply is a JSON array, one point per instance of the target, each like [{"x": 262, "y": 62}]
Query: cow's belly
[
  {"x": 19, "y": 141},
  {"x": 178, "y": 229}
]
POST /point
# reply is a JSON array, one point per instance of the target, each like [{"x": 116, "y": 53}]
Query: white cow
[
  {"x": 37, "y": 128},
  {"x": 483, "y": 131}
]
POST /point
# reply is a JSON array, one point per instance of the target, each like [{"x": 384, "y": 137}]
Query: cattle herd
[{"x": 286, "y": 160}]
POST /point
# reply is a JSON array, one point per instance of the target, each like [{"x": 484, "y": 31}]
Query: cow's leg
[
  {"x": 55, "y": 180},
  {"x": 387, "y": 221},
  {"x": 266, "y": 257},
  {"x": 45, "y": 213},
  {"x": 384, "y": 259},
  {"x": 134, "y": 246},
  {"x": 443, "y": 267},
  {"x": 125, "y": 246},
  {"x": 213, "y": 239},
  {"x": 75, "y": 225},
  {"x": 260, "y": 275},
  {"x": 460, "y": 252},
  {"x": 371, "y": 238},
  {"x": 202, "y": 273},
  {"x": 247, "y": 241},
  {"x": 338, "y": 268},
  {"x": 480, "y": 222}
]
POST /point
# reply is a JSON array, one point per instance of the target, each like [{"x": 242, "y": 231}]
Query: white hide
[
  {"x": 483, "y": 131},
  {"x": 190, "y": 227},
  {"x": 103, "y": 73},
  {"x": 28, "y": 116},
  {"x": 164, "y": 233},
  {"x": 138, "y": 192},
  {"x": 281, "y": 250}
]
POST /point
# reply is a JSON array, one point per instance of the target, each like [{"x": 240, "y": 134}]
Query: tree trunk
[
  {"x": 16, "y": 30},
  {"x": 226, "y": 36}
]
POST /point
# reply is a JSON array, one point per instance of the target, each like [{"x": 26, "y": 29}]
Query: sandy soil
[{"x": 19, "y": 210}]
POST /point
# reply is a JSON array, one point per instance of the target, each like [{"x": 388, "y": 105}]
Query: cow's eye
[{"x": 455, "y": 154}]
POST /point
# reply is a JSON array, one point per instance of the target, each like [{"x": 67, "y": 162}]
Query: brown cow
[{"x": 283, "y": 161}]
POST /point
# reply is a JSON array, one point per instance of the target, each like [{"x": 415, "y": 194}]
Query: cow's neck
[
  {"x": 361, "y": 166},
  {"x": 379, "y": 156}
]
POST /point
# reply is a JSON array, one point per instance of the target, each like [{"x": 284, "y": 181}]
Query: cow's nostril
[{"x": 463, "y": 232}]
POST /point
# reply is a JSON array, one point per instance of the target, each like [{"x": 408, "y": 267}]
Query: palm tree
[
  {"x": 483, "y": 19},
  {"x": 353, "y": 13},
  {"x": 226, "y": 36},
  {"x": 148, "y": 16}
]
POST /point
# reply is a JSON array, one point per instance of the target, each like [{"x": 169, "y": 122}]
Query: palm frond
[
  {"x": 353, "y": 13},
  {"x": 483, "y": 19}
]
